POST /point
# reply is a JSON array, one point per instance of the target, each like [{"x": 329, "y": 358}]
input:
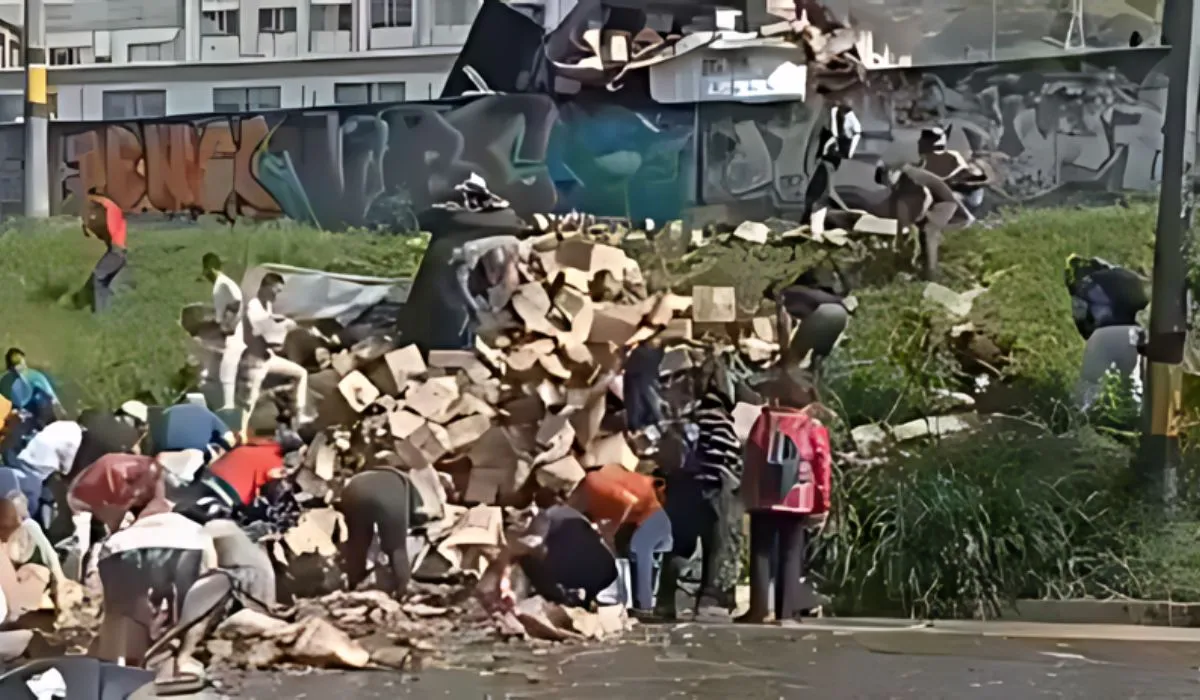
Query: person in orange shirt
[
  {"x": 104, "y": 219},
  {"x": 618, "y": 501}
]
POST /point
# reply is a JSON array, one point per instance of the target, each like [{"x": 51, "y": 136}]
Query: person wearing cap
[
  {"x": 104, "y": 220},
  {"x": 227, "y": 309},
  {"x": 265, "y": 332},
  {"x": 189, "y": 426},
  {"x": 108, "y": 433},
  {"x": 29, "y": 390}
]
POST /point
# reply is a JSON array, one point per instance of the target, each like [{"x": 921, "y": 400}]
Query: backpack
[{"x": 788, "y": 463}]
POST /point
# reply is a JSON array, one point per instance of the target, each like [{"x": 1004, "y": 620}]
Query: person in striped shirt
[{"x": 703, "y": 501}]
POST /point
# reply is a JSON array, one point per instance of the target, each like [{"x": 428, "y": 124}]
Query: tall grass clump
[{"x": 960, "y": 527}]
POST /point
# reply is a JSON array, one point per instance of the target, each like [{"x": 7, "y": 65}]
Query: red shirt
[
  {"x": 114, "y": 221},
  {"x": 247, "y": 468},
  {"x": 606, "y": 493},
  {"x": 120, "y": 481}
]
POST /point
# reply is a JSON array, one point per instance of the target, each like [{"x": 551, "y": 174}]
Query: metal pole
[
  {"x": 1159, "y": 453},
  {"x": 37, "y": 112}
]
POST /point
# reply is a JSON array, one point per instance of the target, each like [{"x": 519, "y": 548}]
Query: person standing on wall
[
  {"x": 227, "y": 307},
  {"x": 265, "y": 332},
  {"x": 104, "y": 219}
]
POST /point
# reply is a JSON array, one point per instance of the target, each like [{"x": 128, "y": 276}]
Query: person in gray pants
[{"x": 379, "y": 501}]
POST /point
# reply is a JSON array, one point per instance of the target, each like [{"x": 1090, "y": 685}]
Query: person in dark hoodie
[
  {"x": 818, "y": 308},
  {"x": 1103, "y": 294},
  {"x": 702, "y": 500}
]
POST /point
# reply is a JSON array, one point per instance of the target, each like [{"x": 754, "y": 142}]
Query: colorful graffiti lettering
[{"x": 1069, "y": 123}]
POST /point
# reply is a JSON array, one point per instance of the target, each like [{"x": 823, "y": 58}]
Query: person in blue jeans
[{"x": 189, "y": 426}]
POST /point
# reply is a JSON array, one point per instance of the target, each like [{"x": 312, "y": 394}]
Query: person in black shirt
[
  {"x": 821, "y": 313},
  {"x": 1103, "y": 294},
  {"x": 107, "y": 433}
]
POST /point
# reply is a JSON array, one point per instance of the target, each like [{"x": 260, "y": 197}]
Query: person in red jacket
[
  {"x": 104, "y": 219},
  {"x": 785, "y": 488}
]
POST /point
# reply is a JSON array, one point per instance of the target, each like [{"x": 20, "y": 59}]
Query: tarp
[{"x": 313, "y": 295}]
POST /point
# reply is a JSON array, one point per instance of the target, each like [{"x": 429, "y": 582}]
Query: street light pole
[
  {"x": 1159, "y": 454},
  {"x": 37, "y": 112}
]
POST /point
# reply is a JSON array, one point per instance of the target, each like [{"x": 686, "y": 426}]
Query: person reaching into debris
[
  {"x": 786, "y": 490},
  {"x": 625, "y": 506},
  {"x": 29, "y": 390},
  {"x": 189, "y": 426},
  {"x": 104, "y": 219},
  {"x": 26, "y": 541},
  {"x": 822, "y": 316},
  {"x": 265, "y": 332},
  {"x": 227, "y": 309},
  {"x": 383, "y": 502},
  {"x": 111, "y": 488},
  {"x": 562, "y": 555},
  {"x": 120, "y": 431},
  {"x": 236, "y": 482},
  {"x": 149, "y": 566},
  {"x": 1103, "y": 294},
  {"x": 702, "y": 501},
  {"x": 50, "y": 452}
]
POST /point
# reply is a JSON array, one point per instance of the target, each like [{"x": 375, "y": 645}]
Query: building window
[
  {"x": 219, "y": 23},
  {"x": 391, "y": 13},
  {"x": 135, "y": 104},
  {"x": 450, "y": 13},
  {"x": 366, "y": 93},
  {"x": 277, "y": 20},
  {"x": 12, "y": 108},
  {"x": 236, "y": 100},
  {"x": 330, "y": 18},
  {"x": 66, "y": 57},
  {"x": 151, "y": 52}
]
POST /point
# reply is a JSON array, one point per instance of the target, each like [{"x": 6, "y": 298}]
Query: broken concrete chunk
[
  {"x": 318, "y": 643},
  {"x": 465, "y": 431},
  {"x": 554, "y": 366},
  {"x": 554, "y": 436},
  {"x": 433, "y": 396},
  {"x": 615, "y": 324},
  {"x": 318, "y": 532},
  {"x": 868, "y": 223},
  {"x": 757, "y": 350},
  {"x": 571, "y": 301},
  {"x": 405, "y": 364},
  {"x": 867, "y": 438},
  {"x": 714, "y": 304},
  {"x": 677, "y": 329},
  {"x": 591, "y": 258},
  {"x": 358, "y": 391},
  {"x": 403, "y": 424},
  {"x": 752, "y": 232},
  {"x": 344, "y": 363},
  {"x": 561, "y": 475},
  {"x": 764, "y": 328},
  {"x": 611, "y": 450},
  {"x": 958, "y": 305}
]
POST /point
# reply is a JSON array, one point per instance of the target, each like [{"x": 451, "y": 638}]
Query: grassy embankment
[{"x": 952, "y": 528}]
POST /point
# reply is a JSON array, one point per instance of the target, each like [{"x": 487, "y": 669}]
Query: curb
[{"x": 1151, "y": 613}]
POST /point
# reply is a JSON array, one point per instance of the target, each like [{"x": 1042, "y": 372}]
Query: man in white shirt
[
  {"x": 265, "y": 332},
  {"x": 227, "y": 309}
]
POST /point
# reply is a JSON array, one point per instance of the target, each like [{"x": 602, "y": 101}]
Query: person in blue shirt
[
  {"x": 189, "y": 426},
  {"x": 29, "y": 390}
]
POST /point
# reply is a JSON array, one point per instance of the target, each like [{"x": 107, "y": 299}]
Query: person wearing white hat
[{"x": 107, "y": 433}]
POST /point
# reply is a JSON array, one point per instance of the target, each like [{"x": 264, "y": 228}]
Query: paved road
[{"x": 704, "y": 663}]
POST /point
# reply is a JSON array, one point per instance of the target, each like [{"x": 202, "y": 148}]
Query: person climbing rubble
[
  {"x": 222, "y": 366},
  {"x": 626, "y": 508},
  {"x": 189, "y": 426},
  {"x": 786, "y": 490},
  {"x": 383, "y": 503},
  {"x": 105, "y": 221},
  {"x": 265, "y": 332},
  {"x": 702, "y": 499}
]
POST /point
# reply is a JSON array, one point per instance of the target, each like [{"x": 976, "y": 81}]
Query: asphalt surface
[{"x": 690, "y": 661}]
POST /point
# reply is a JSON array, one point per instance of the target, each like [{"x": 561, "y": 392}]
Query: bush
[{"x": 961, "y": 527}]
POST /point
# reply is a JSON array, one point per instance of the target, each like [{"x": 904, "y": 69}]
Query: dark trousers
[
  {"x": 642, "y": 402},
  {"x": 103, "y": 275},
  {"x": 706, "y": 513},
  {"x": 377, "y": 501},
  {"x": 784, "y": 566},
  {"x": 575, "y": 566}
]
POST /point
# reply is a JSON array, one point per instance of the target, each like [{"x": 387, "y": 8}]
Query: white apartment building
[{"x": 113, "y": 59}]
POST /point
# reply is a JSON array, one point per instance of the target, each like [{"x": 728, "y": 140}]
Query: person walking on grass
[
  {"x": 227, "y": 308},
  {"x": 104, "y": 219}
]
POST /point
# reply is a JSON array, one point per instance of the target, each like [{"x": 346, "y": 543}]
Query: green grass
[{"x": 139, "y": 346}]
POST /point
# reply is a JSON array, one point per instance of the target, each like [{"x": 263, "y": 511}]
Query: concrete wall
[{"x": 1049, "y": 127}]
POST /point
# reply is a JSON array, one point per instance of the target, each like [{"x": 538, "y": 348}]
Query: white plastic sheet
[{"x": 312, "y": 295}]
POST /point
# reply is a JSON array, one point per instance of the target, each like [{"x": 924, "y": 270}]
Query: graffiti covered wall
[{"x": 1047, "y": 126}]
